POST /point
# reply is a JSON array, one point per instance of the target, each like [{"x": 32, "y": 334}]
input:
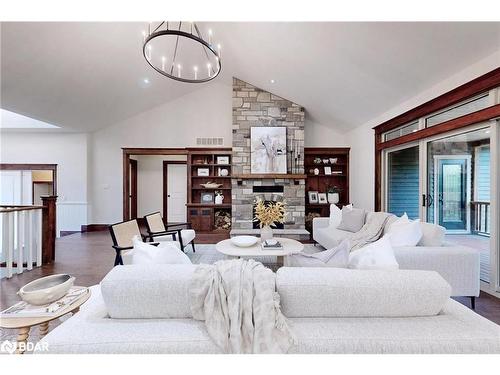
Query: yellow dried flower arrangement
[{"x": 270, "y": 213}]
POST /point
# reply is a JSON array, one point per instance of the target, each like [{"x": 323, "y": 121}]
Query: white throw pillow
[
  {"x": 378, "y": 255},
  {"x": 405, "y": 232},
  {"x": 432, "y": 235},
  {"x": 336, "y": 215},
  {"x": 164, "y": 253}
]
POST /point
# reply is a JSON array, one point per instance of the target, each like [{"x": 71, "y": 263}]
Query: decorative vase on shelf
[
  {"x": 333, "y": 198},
  {"x": 219, "y": 198},
  {"x": 266, "y": 233}
]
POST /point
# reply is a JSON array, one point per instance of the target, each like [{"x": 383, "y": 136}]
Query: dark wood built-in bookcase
[
  {"x": 339, "y": 178},
  {"x": 206, "y": 217}
]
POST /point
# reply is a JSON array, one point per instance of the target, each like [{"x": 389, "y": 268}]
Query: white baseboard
[{"x": 486, "y": 287}]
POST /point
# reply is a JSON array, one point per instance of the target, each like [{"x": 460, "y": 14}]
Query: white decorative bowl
[
  {"x": 46, "y": 289},
  {"x": 244, "y": 241}
]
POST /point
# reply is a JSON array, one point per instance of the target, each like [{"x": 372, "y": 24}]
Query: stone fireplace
[{"x": 254, "y": 107}]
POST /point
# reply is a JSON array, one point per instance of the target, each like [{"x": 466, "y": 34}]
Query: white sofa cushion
[
  {"x": 340, "y": 292},
  {"x": 378, "y": 255},
  {"x": 432, "y": 235},
  {"x": 405, "y": 232},
  {"x": 163, "y": 253},
  {"x": 148, "y": 291}
]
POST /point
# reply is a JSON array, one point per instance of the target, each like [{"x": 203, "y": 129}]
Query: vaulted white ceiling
[{"x": 85, "y": 76}]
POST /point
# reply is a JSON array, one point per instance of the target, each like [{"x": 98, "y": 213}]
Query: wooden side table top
[{"x": 20, "y": 322}]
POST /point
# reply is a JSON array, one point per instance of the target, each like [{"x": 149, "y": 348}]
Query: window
[
  {"x": 399, "y": 132},
  {"x": 461, "y": 109}
]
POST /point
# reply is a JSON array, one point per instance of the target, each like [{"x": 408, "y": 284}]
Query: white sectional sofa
[
  {"x": 458, "y": 265},
  {"x": 330, "y": 311}
]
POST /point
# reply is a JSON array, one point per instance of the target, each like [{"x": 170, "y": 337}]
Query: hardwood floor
[{"x": 89, "y": 256}]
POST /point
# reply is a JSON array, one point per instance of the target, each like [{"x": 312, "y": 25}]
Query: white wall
[
  {"x": 69, "y": 152},
  {"x": 361, "y": 139},
  {"x": 318, "y": 135}
]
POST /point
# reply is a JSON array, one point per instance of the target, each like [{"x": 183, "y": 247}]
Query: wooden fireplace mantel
[{"x": 254, "y": 176}]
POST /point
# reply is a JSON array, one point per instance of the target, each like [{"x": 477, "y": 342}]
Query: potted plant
[
  {"x": 267, "y": 214},
  {"x": 333, "y": 193}
]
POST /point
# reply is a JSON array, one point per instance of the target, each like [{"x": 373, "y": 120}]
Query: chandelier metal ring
[{"x": 207, "y": 47}]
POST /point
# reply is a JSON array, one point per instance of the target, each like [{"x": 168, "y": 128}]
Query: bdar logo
[{"x": 8, "y": 347}]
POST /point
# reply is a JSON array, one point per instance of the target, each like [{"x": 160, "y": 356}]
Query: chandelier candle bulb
[
  {"x": 149, "y": 51},
  {"x": 195, "y": 72},
  {"x": 179, "y": 68},
  {"x": 163, "y": 59},
  {"x": 219, "y": 50},
  {"x": 209, "y": 68},
  {"x": 210, "y": 36},
  {"x": 143, "y": 36}
]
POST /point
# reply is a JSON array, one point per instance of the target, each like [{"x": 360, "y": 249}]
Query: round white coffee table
[{"x": 290, "y": 246}]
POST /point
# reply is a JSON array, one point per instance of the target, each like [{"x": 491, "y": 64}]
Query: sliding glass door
[
  {"x": 446, "y": 181},
  {"x": 458, "y": 190}
]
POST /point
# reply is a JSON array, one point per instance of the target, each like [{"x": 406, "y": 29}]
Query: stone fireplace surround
[{"x": 255, "y": 107}]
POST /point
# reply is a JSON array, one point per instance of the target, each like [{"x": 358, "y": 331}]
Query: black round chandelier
[{"x": 178, "y": 51}]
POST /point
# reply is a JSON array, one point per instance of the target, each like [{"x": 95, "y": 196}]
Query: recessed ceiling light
[
  {"x": 487, "y": 132},
  {"x": 144, "y": 83},
  {"x": 272, "y": 81}
]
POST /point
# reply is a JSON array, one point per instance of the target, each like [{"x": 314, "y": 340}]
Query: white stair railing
[{"x": 21, "y": 238}]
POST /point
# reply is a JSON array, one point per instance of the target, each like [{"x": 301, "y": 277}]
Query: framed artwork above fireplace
[{"x": 268, "y": 149}]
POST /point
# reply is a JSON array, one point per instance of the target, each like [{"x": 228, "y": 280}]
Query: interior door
[
  {"x": 451, "y": 193},
  {"x": 176, "y": 183}
]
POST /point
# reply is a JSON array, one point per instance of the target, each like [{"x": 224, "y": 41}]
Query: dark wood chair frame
[
  {"x": 173, "y": 232},
  {"x": 119, "y": 249}
]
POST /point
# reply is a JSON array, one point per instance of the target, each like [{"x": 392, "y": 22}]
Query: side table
[{"x": 24, "y": 324}]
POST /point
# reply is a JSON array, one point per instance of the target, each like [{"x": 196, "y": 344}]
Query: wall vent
[{"x": 209, "y": 141}]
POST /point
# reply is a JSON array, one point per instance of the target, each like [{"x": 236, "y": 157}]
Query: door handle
[
  {"x": 423, "y": 200},
  {"x": 430, "y": 200}
]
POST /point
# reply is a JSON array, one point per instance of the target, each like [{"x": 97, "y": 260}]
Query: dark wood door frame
[
  {"x": 165, "y": 184},
  {"x": 468, "y": 90},
  {"x": 133, "y": 188},
  {"x": 129, "y": 151},
  {"x": 33, "y": 167}
]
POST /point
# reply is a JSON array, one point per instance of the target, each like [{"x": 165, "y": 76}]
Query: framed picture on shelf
[
  {"x": 222, "y": 160},
  {"x": 207, "y": 198},
  {"x": 328, "y": 170},
  {"x": 203, "y": 172},
  {"x": 322, "y": 198},
  {"x": 313, "y": 196}
]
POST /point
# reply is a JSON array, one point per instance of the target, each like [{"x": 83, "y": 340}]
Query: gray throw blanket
[
  {"x": 370, "y": 232},
  {"x": 240, "y": 307}
]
